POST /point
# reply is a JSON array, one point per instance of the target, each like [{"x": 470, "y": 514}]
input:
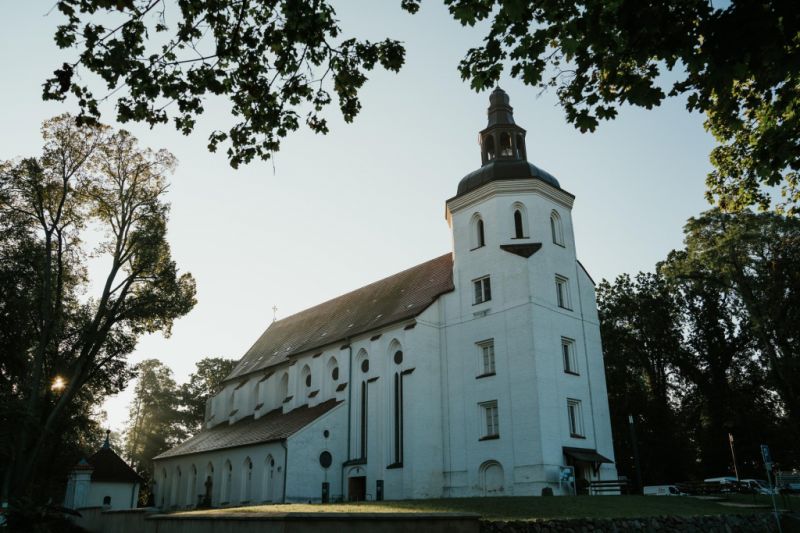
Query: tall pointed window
[
  {"x": 481, "y": 239},
  {"x": 556, "y": 228},
  {"x": 364, "y": 407},
  {"x": 519, "y": 232}
]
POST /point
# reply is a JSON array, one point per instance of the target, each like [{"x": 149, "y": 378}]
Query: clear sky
[{"x": 333, "y": 213}]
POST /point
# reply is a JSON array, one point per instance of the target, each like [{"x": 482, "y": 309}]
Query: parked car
[
  {"x": 662, "y": 490},
  {"x": 758, "y": 486}
]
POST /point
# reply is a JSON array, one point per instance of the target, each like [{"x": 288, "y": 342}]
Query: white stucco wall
[
  {"x": 443, "y": 452},
  {"x": 123, "y": 495}
]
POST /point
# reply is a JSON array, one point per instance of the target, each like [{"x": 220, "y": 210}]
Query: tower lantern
[{"x": 502, "y": 138}]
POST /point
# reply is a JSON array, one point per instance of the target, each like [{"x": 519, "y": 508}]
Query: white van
[{"x": 661, "y": 490}]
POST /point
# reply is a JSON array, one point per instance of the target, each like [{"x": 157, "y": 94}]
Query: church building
[{"x": 476, "y": 373}]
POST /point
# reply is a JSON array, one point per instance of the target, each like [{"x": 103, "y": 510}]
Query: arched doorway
[{"x": 492, "y": 478}]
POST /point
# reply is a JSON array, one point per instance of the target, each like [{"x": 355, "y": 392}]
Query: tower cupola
[
  {"x": 504, "y": 155},
  {"x": 502, "y": 138}
]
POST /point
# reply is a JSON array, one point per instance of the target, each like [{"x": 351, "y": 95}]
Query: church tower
[{"x": 524, "y": 364}]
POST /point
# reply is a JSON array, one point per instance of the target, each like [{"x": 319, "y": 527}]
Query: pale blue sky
[{"x": 339, "y": 211}]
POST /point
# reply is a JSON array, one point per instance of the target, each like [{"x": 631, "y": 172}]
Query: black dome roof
[{"x": 500, "y": 169}]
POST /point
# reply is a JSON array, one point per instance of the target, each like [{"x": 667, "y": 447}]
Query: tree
[
  {"x": 639, "y": 324},
  {"x": 274, "y": 60},
  {"x": 756, "y": 258},
  {"x": 204, "y": 382},
  {"x": 88, "y": 178},
  {"x": 154, "y": 418},
  {"x": 738, "y": 64}
]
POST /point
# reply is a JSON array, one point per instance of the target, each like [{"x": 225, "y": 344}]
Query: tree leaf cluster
[
  {"x": 279, "y": 62},
  {"x": 706, "y": 346}
]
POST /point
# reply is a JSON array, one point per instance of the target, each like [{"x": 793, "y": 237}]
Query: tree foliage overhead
[
  {"x": 278, "y": 61},
  {"x": 738, "y": 63},
  {"x": 71, "y": 348}
]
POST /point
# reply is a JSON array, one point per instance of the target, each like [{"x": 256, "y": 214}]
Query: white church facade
[{"x": 479, "y": 372}]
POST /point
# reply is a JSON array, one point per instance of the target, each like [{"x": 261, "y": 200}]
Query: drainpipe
[
  {"x": 349, "y": 406},
  {"x": 285, "y": 466}
]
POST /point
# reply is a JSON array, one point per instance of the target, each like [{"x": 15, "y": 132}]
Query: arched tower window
[
  {"x": 556, "y": 228},
  {"x": 396, "y": 352},
  {"x": 191, "y": 489},
  {"x": 521, "y": 147},
  {"x": 505, "y": 145},
  {"x": 478, "y": 237},
  {"x": 305, "y": 376},
  {"x": 520, "y": 216},
  {"x": 518, "y": 231},
  {"x": 488, "y": 148}
]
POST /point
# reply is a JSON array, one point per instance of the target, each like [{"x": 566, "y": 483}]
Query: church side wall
[{"x": 177, "y": 486}]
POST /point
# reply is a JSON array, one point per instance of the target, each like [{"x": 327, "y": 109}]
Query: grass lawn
[{"x": 526, "y": 508}]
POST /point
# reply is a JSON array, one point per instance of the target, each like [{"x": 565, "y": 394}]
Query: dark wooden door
[{"x": 357, "y": 488}]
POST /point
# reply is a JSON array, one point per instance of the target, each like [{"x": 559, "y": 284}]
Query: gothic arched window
[
  {"x": 556, "y": 229},
  {"x": 488, "y": 147},
  {"x": 521, "y": 147}
]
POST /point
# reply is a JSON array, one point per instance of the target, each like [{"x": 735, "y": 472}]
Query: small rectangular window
[
  {"x": 490, "y": 420},
  {"x": 562, "y": 292},
  {"x": 568, "y": 354},
  {"x": 486, "y": 351},
  {"x": 575, "y": 418},
  {"x": 483, "y": 289}
]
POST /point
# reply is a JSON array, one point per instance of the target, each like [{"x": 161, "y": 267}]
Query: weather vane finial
[{"x": 274, "y": 313}]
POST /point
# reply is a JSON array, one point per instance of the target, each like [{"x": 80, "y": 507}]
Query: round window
[
  {"x": 365, "y": 365},
  {"x": 335, "y": 373},
  {"x": 325, "y": 459},
  {"x": 308, "y": 380},
  {"x": 326, "y": 433},
  {"x": 398, "y": 357}
]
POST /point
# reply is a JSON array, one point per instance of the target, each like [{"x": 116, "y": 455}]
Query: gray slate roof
[
  {"x": 393, "y": 299},
  {"x": 273, "y": 426}
]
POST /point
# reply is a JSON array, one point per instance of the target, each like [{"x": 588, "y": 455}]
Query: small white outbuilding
[{"x": 103, "y": 480}]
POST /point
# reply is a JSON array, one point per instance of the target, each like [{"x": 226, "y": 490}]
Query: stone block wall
[{"x": 760, "y": 522}]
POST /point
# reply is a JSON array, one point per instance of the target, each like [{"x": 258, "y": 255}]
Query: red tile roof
[
  {"x": 393, "y": 299},
  {"x": 273, "y": 426}
]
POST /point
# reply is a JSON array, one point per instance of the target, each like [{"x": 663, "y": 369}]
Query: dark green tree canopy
[{"x": 280, "y": 61}]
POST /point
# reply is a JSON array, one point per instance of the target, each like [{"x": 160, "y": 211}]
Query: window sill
[
  {"x": 288, "y": 399},
  {"x": 354, "y": 462},
  {"x": 565, "y": 308},
  {"x": 486, "y": 375},
  {"x": 489, "y": 437},
  {"x": 477, "y": 248},
  {"x": 481, "y": 302},
  {"x": 519, "y": 238},
  {"x": 576, "y": 436},
  {"x": 394, "y": 466},
  {"x": 559, "y": 244},
  {"x": 571, "y": 373}
]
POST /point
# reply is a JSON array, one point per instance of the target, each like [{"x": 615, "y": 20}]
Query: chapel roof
[
  {"x": 273, "y": 426},
  {"x": 108, "y": 466},
  {"x": 396, "y": 298}
]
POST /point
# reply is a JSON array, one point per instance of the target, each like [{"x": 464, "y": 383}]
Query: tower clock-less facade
[{"x": 476, "y": 373}]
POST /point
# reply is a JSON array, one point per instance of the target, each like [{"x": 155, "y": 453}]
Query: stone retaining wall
[{"x": 753, "y": 523}]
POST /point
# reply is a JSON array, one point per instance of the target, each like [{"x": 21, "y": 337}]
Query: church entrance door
[{"x": 357, "y": 488}]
